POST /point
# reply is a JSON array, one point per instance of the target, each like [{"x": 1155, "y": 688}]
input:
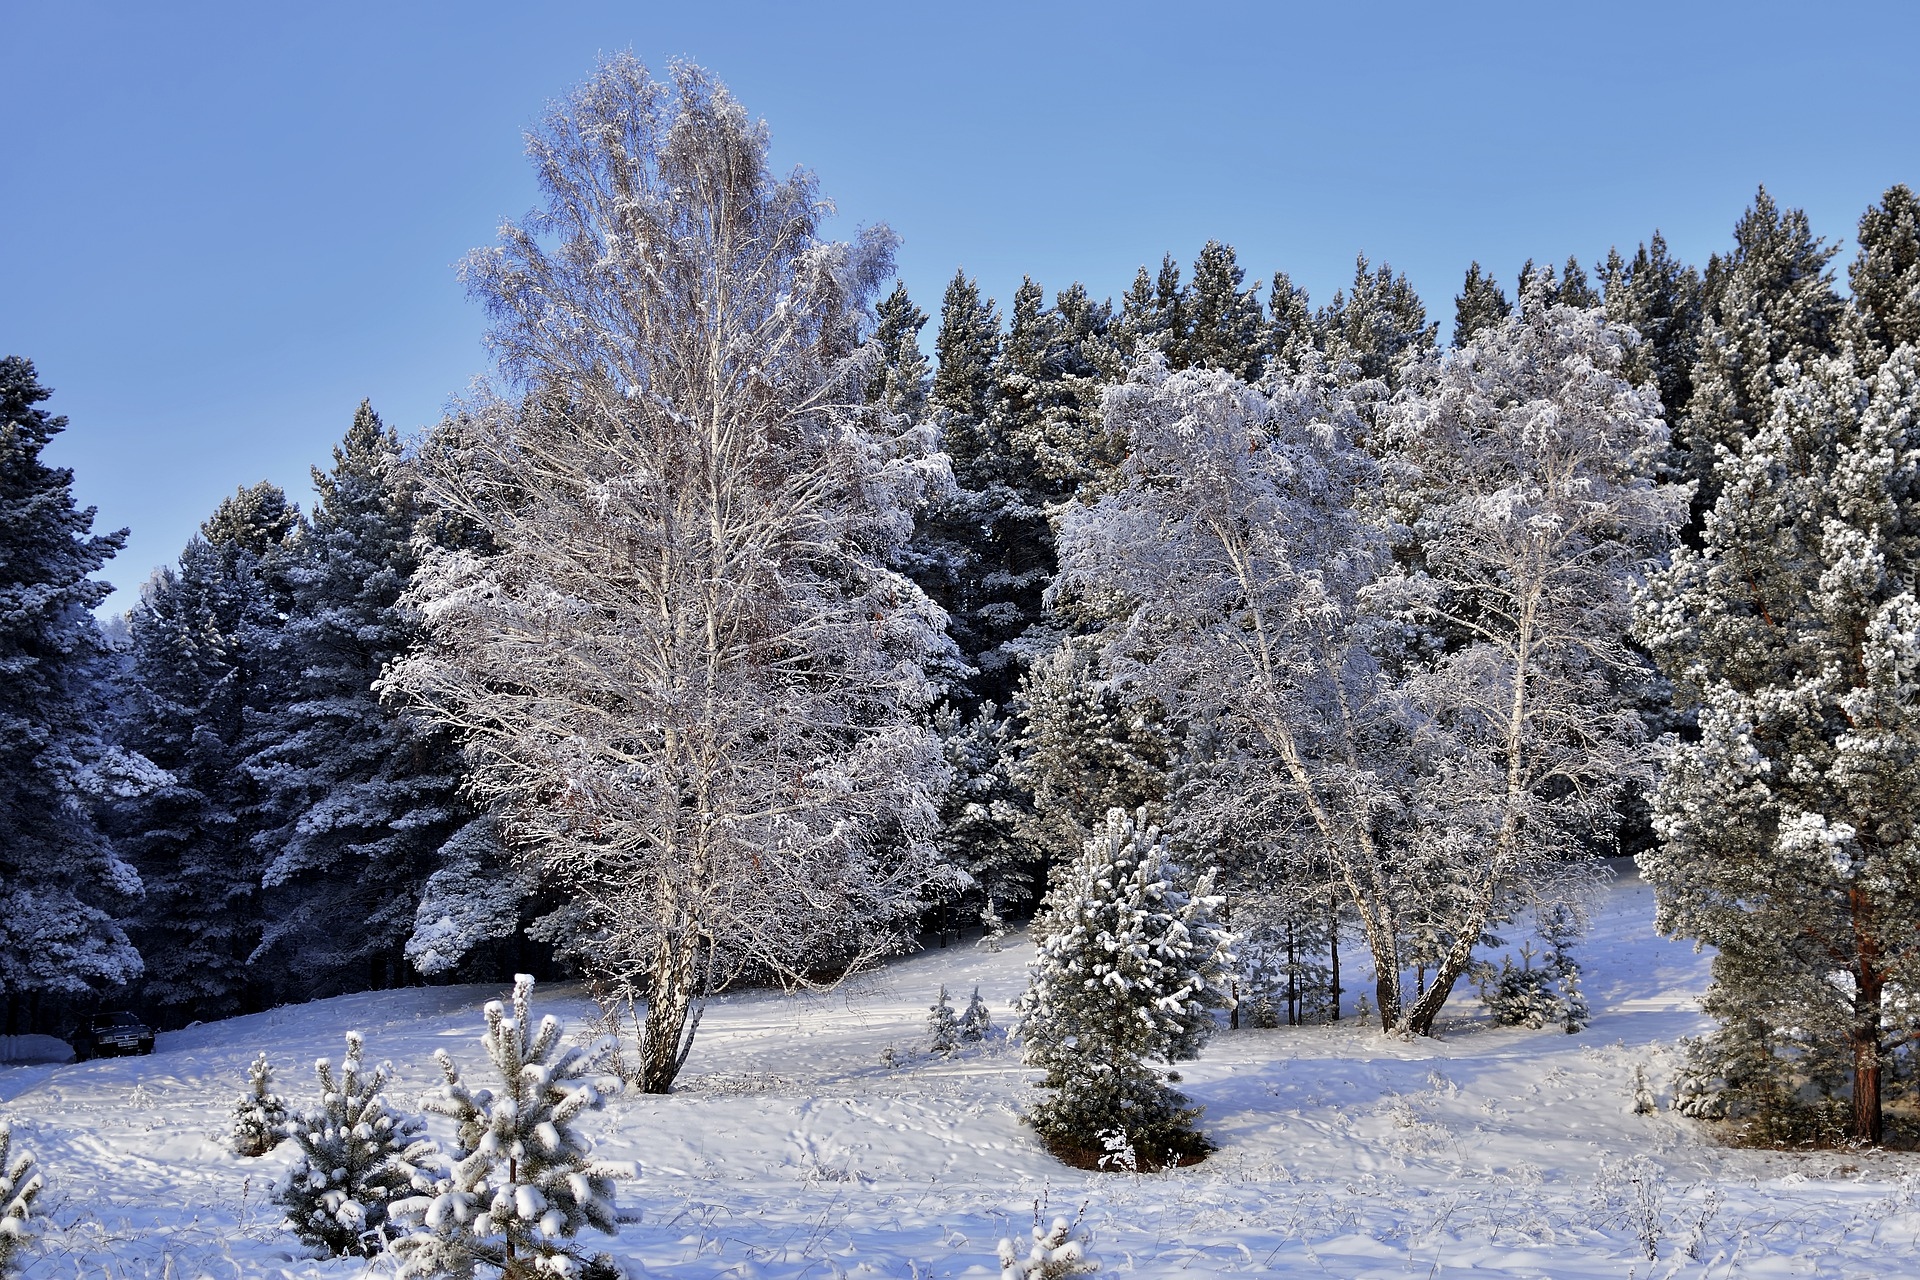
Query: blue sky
[{"x": 221, "y": 226}]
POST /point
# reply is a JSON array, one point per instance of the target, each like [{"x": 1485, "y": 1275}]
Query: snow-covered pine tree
[
  {"x": 1225, "y": 329},
  {"x": 1885, "y": 278},
  {"x": 983, "y": 813},
  {"x": 1790, "y": 826},
  {"x": 202, "y": 677},
  {"x": 62, "y": 884},
  {"x": 1520, "y": 465},
  {"x": 1147, "y": 317},
  {"x": 1292, "y": 338},
  {"x": 1081, "y": 751},
  {"x": 1057, "y": 1252},
  {"x": 259, "y": 1114},
  {"x": 943, "y": 1029},
  {"x": 1377, "y": 326},
  {"x": 1659, "y": 297},
  {"x": 1770, "y": 307},
  {"x": 20, "y": 1183},
  {"x": 522, "y": 1182},
  {"x": 1131, "y": 970},
  {"x": 358, "y": 1156},
  {"x": 975, "y": 1020},
  {"x": 1480, "y": 304},
  {"x": 689, "y": 682},
  {"x": 364, "y": 796}
]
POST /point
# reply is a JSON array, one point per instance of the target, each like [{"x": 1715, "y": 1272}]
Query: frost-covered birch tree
[
  {"x": 689, "y": 682},
  {"x": 1237, "y": 559},
  {"x": 1519, "y": 471}
]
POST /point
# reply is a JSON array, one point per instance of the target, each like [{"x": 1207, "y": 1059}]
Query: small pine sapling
[
  {"x": 259, "y": 1114},
  {"x": 976, "y": 1023},
  {"x": 357, "y": 1157},
  {"x": 19, "y": 1184},
  {"x": 1644, "y": 1103},
  {"x": 1057, "y": 1252},
  {"x": 942, "y": 1027},
  {"x": 521, "y": 1184}
]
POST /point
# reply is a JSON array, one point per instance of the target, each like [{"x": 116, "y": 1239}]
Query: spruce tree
[
  {"x": 1131, "y": 969},
  {"x": 1082, "y": 752},
  {"x": 1770, "y": 307},
  {"x": 1225, "y": 327},
  {"x": 1885, "y": 276},
  {"x": 1480, "y": 304},
  {"x": 202, "y": 674},
  {"x": 1790, "y": 826},
  {"x": 983, "y": 814},
  {"x": 1377, "y": 326},
  {"x": 62, "y": 884},
  {"x": 901, "y": 384},
  {"x": 961, "y": 396},
  {"x": 1292, "y": 339},
  {"x": 365, "y": 797},
  {"x": 1659, "y": 297}
]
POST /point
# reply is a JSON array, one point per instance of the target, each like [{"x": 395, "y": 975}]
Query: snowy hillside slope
[{"x": 794, "y": 1151}]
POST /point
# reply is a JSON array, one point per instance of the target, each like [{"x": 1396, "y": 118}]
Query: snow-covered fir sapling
[
  {"x": 357, "y": 1157},
  {"x": 1132, "y": 968},
  {"x": 943, "y": 1029},
  {"x": 20, "y": 1182},
  {"x": 522, "y": 1182},
  {"x": 1546, "y": 994},
  {"x": 975, "y": 1023},
  {"x": 259, "y": 1114},
  {"x": 1057, "y": 1251}
]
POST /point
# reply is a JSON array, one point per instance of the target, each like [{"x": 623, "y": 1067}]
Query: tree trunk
[
  {"x": 1333, "y": 934},
  {"x": 667, "y": 1032},
  {"x": 1868, "y": 1123}
]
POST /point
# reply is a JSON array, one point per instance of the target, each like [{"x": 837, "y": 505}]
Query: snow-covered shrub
[
  {"x": 1131, "y": 969},
  {"x": 1057, "y": 1252},
  {"x": 19, "y": 1184},
  {"x": 976, "y": 1023},
  {"x": 943, "y": 1029},
  {"x": 259, "y": 1114},
  {"x": 521, "y": 1183},
  {"x": 357, "y": 1156}
]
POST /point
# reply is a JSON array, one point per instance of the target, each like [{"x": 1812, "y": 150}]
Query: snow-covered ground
[{"x": 794, "y": 1151}]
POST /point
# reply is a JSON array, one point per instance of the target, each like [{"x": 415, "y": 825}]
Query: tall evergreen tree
[
  {"x": 1658, "y": 296},
  {"x": 901, "y": 384},
  {"x": 1770, "y": 306},
  {"x": 1377, "y": 326},
  {"x": 1790, "y": 824},
  {"x": 1480, "y": 304},
  {"x": 1292, "y": 340},
  {"x": 1225, "y": 327},
  {"x": 364, "y": 796},
  {"x": 1148, "y": 315},
  {"x": 1885, "y": 277},
  {"x": 60, "y": 878},
  {"x": 961, "y": 397},
  {"x": 201, "y": 676}
]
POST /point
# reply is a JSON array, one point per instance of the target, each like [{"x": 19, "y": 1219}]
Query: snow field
[{"x": 792, "y": 1150}]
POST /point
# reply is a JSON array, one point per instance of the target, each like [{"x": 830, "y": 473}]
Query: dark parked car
[{"x": 111, "y": 1033}]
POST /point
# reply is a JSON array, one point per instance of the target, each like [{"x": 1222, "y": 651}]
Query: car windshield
[{"x": 116, "y": 1020}]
